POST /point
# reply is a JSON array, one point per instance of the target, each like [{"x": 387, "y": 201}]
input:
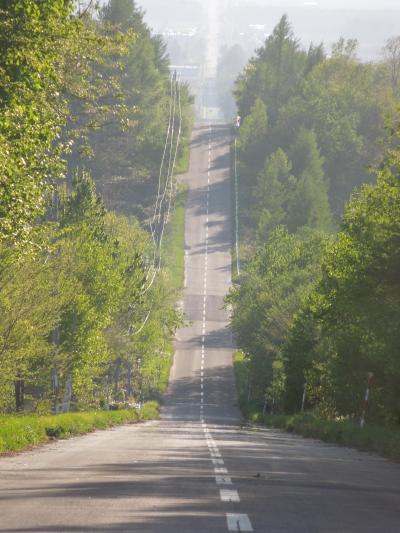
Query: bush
[
  {"x": 20, "y": 432},
  {"x": 382, "y": 440}
]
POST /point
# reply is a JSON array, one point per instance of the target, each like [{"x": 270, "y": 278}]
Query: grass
[
  {"x": 379, "y": 439},
  {"x": 21, "y": 432},
  {"x": 174, "y": 242},
  {"x": 182, "y": 165},
  {"x": 382, "y": 440}
]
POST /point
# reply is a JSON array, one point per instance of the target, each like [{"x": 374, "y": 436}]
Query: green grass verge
[
  {"x": 174, "y": 242},
  {"x": 20, "y": 432},
  {"x": 182, "y": 165},
  {"x": 382, "y": 440},
  {"x": 385, "y": 441}
]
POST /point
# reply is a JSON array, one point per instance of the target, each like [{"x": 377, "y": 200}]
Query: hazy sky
[{"x": 349, "y": 4}]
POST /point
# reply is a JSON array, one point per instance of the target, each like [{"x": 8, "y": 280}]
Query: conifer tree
[
  {"x": 309, "y": 204},
  {"x": 271, "y": 193}
]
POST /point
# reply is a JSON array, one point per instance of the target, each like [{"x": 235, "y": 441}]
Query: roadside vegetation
[
  {"x": 343, "y": 431},
  {"x": 316, "y": 308},
  {"x": 87, "y": 306},
  {"x": 20, "y": 432},
  {"x": 174, "y": 245}
]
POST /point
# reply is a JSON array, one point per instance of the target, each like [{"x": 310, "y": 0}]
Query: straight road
[{"x": 199, "y": 469}]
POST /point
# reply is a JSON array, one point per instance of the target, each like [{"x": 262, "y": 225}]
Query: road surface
[{"x": 198, "y": 469}]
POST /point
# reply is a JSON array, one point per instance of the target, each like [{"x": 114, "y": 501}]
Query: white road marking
[
  {"x": 229, "y": 495},
  {"x": 238, "y": 522},
  {"x": 220, "y": 471},
  {"x": 215, "y": 454},
  {"x": 223, "y": 480},
  {"x": 217, "y": 461}
]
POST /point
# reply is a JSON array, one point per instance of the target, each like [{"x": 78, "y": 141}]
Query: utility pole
[{"x": 237, "y": 248}]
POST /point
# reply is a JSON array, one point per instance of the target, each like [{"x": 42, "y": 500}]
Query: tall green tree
[
  {"x": 358, "y": 299},
  {"x": 273, "y": 73},
  {"x": 278, "y": 280},
  {"x": 31, "y": 110},
  {"x": 51, "y": 94},
  {"x": 309, "y": 204},
  {"x": 271, "y": 193}
]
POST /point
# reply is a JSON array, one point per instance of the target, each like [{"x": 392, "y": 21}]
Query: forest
[
  {"x": 92, "y": 127},
  {"x": 316, "y": 308}
]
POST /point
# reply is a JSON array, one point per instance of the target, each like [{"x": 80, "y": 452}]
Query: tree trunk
[{"x": 19, "y": 395}]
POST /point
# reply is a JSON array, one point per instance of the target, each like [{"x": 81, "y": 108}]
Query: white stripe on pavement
[
  {"x": 229, "y": 495},
  {"x": 238, "y": 522},
  {"x": 223, "y": 480}
]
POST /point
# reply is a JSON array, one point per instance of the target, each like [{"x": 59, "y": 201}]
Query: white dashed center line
[
  {"x": 238, "y": 522},
  {"x": 229, "y": 495},
  {"x": 235, "y": 522}
]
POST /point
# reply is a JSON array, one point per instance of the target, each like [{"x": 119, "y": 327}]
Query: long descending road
[{"x": 198, "y": 469}]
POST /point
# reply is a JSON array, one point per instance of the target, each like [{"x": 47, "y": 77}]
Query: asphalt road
[{"x": 199, "y": 469}]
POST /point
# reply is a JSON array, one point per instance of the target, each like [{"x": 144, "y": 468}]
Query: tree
[
  {"x": 273, "y": 73},
  {"x": 277, "y": 282},
  {"x": 252, "y": 134},
  {"x": 32, "y": 35},
  {"x": 345, "y": 48},
  {"x": 315, "y": 56},
  {"x": 75, "y": 317},
  {"x": 357, "y": 302},
  {"x": 391, "y": 53},
  {"x": 309, "y": 204},
  {"x": 271, "y": 193},
  {"x": 51, "y": 93}
]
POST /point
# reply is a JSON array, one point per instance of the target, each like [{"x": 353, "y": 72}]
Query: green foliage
[
  {"x": 336, "y": 105},
  {"x": 313, "y": 314},
  {"x": 273, "y": 73},
  {"x": 308, "y": 204},
  {"x": 277, "y": 282},
  {"x": 252, "y": 133},
  {"x": 174, "y": 242},
  {"x": 49, "y": 80},
  {"x": 385, "y": 441},
  {"x": 131, "y": 157},
  {"x": 357, "y": 301},
  {"x": 20, "y": 432},
  {"x": 80, "y": 324},
  {"x": 271, "y": 193},
  {"x": 32, "y": 35}
]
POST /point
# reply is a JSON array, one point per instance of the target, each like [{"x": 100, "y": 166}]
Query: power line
[
  {"x": 175, "y": 98},
  {"x": 158, "y": 204}
]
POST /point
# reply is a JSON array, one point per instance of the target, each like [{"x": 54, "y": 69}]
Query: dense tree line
[
  {"x": 317, "y": 311},
  {"x": 81, "y": 322}
]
